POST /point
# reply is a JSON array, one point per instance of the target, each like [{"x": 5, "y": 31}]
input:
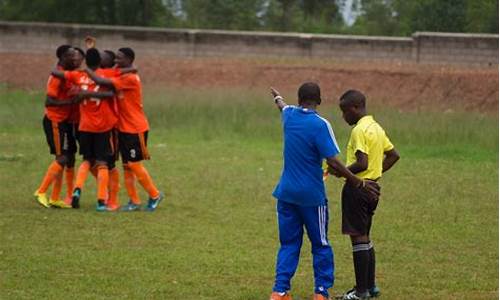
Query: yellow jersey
[{"x": 368, "y": 137}]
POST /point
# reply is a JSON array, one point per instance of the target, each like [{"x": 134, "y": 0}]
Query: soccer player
[
  {"x": 108, "y": 63},
  {"x": 97, "y": 119},
  {"x": 108, "y": 59},
  {"x": 58, "y": 131},
  {"x": 133, "y": 129},
  {"x": 300, "y": 193},
  {"x": 74, "y": 118},
  {"x": 369, "y": 154}
]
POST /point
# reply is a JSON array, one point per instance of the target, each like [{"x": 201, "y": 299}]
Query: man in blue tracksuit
[{"x": 308, "y": 139}]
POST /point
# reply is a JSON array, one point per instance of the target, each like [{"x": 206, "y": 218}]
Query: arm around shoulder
[{"x": 99, "y": 80}]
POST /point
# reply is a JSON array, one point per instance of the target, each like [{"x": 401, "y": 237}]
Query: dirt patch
[{"x": 408, "y": 87}]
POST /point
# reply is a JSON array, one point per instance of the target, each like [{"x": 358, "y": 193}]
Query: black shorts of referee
[{"x": 358, "y": 208}]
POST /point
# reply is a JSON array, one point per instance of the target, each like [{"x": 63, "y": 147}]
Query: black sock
[
  {"x": 361, "y": 260},
  {"x": 371, "y": 267}
]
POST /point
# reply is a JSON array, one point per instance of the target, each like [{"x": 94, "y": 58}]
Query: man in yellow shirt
[{"x": 369, "y": 154}]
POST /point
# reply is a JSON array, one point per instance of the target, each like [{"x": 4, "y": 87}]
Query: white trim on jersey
[{"x": 330, "y": 130}]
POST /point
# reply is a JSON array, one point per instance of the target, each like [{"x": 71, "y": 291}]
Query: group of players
[{"x": 99, "y": 108}]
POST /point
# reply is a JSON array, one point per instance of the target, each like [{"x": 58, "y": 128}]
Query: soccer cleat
[
  {"x": 59, "y": 204},
  {"x": 101, "y": 206},
  {"x": 68, "y": 200},
  {"x": 131, "y": 206},
  {"x": 41, "y": 198},
  {"x": 75, "y": 199},
  {"x": 374, "y": 292},
  {"x": 153, "y": 203},
  {"x": 320, "y": 297},
  {"x": 113, "y": 207},
  {"x": 280, "y": 296},
  {"x": 354, "y": 295}
]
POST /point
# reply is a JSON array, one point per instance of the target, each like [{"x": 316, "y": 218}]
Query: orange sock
[
  {"x": 129, "y": 179},
  {"x": 69, "y": 174},
  {"x": 52, "y": 172},
  {"x": 144, "y": 179},
  {"x": 114, "y": 186},
  {"x": 81, "y": 175},
  {"x": 102, "y": 182},
  {"x": 57, "y": 187}
]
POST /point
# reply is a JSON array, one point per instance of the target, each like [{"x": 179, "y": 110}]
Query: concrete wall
[
  {"x": 451, "y": 48},
  {"x": 422, "y": 47}
]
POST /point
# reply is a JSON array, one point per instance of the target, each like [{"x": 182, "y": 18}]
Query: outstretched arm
[
  {"x": 99, "y": 95},
  {"x": 49, "y": 101},
  {"x": 57, "y": 73},
  {"x": 128, "y": 70},
  {"x": 391, "y": 157},
  {"x": 97, "y": 79},
  {"x": 278, "y": 99}
]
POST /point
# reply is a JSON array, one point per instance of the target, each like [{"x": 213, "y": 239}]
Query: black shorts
[
  {"x": 133, "y": 146},
  {"x": 96, "y": 145},
  {"x": 76, "y": 133},
  {"x": 357, "y": 211},
  {"x": 60, "y": 137},
  {"x": 114, "y": 143}
]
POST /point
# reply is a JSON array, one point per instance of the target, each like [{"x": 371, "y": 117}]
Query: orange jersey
[
  {"x": 58, "y": 89},
  {"x": 96, "y": 115},
  {"x": 109, "y": 73},
  {"x": 131, "y": 117}
]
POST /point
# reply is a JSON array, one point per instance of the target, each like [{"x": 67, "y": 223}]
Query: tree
[
  {"x": 222, "y": 14},
  {"x": 120, "y": 12},
  {"x": 403, "y": 17}
]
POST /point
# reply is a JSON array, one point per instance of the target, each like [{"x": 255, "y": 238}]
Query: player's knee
[{"x": 359, "y": 239}]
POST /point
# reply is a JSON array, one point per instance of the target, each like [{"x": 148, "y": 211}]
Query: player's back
[{"x": 305, "y": 133}]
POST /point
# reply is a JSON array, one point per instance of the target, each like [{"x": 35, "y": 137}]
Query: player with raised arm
[{"x": 300, "y": 193}]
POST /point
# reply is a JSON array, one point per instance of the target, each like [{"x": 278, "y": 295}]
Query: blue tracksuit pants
[{"x": 291, "y": 221}]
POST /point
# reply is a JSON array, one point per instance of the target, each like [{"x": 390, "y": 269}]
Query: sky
[{"x": 347, "y": 12}]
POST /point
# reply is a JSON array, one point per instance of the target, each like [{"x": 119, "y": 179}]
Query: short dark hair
[
  {"x": 80, "y": 50},
  {"x": 111, "y": 54},
  {"x": 61, "y": 50},
  {"x": 128, "y": 53},
  {"x": 92, "y": 57},
  {"x": 354, "y": 97},
  {"x": 309, "y": 91}
]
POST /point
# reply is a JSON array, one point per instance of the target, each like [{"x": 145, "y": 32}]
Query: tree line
[{"x": 372, "y": 17}]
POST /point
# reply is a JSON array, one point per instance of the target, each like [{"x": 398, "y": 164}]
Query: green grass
[{"x": 217, "y": 155}]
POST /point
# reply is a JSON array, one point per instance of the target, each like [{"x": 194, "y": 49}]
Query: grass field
[{"x": 217, "y": 155}]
